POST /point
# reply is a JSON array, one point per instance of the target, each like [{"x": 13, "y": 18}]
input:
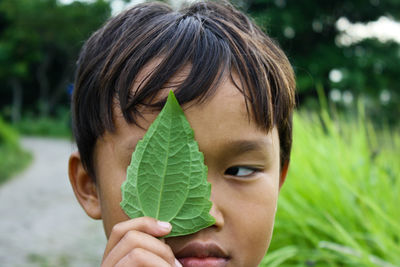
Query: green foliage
[
  {"x": 12, "y": 157},
  {"x": 8, "y": 136},
  {"x": 307, "y": 32},
  {"x": 56, "y": 126},
  {"x": 39, "y": 45},
  {"x": 339, "y": 206},
  {"x": 167, "y": 178}
]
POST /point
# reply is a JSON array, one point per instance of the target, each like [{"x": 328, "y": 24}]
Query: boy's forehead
[
  {"x": 145, "y": 74},
  {"x": 141, "y": 79},
  {"x": 227, "y": 97}
]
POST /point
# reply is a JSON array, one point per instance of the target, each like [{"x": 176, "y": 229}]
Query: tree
[
  {"x": 39, "y": 45},
  {"x": 307, "y": 32}
]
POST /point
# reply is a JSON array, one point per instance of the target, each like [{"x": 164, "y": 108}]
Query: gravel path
[{"x": 41, "y": 223}]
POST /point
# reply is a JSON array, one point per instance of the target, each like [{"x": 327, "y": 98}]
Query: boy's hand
[{"x": 135, "y": 243}]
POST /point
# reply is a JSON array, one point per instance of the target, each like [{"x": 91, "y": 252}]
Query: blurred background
[{"x": 339, "y": 206}]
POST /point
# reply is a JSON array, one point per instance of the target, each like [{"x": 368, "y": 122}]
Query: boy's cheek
[
  {"x": 252, "y": 227},
  {"x": 111, "y": 212},
  {"x": 109, "y": 189}
]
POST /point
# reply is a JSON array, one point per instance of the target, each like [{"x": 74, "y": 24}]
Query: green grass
[
  {"x": 12, "y": 157},
  {"x": 340, "y": 205}
]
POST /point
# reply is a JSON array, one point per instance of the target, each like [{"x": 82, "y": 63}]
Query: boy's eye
[{"x": 240, "y": 171}]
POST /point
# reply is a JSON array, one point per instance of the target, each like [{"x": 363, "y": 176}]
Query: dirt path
[{"x": 41, "y": 223}]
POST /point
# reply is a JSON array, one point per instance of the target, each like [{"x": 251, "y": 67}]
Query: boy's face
[{"x": 243, "y": 169}]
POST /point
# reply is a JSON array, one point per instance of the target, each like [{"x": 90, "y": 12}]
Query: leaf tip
[{"x": 172, "y": 98}]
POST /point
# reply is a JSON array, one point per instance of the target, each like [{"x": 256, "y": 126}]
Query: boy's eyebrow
[{"x": 243, "y": 146}]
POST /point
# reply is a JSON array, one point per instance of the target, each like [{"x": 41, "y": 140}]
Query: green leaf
[{"x": 167, "y": 178}]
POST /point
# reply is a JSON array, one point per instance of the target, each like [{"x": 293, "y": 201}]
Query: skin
[{"x": 244, "y": 199}]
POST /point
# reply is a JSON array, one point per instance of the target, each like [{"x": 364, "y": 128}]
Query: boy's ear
[
  {"x": 84, "y": 186},
  {"x": 283, "y": 174}
]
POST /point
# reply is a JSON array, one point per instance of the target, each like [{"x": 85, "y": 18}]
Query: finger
[
  {"x": 133, "y": 240},
  {"x": 142, "y": 258},
  {"x": 144, "y": 224}
]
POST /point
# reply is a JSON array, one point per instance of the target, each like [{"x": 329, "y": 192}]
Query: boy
[{"x": 236, "y": 88}]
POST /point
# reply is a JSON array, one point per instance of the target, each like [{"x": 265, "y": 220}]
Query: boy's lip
[
  {"x": 199, "y": 254},
  {"x": 203, "y": 262}
]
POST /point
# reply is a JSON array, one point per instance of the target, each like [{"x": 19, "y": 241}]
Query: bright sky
[
  {"x": 117, "y": 5},
  {"x": 385, "y": 29}
]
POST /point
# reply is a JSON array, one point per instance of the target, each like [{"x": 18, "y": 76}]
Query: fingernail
[
  {"x": 165, "y": 225},
  {"x": 177, "y": 263}
]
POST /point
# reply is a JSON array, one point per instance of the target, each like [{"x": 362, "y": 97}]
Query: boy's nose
[{"x": 216, "y": 212}]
